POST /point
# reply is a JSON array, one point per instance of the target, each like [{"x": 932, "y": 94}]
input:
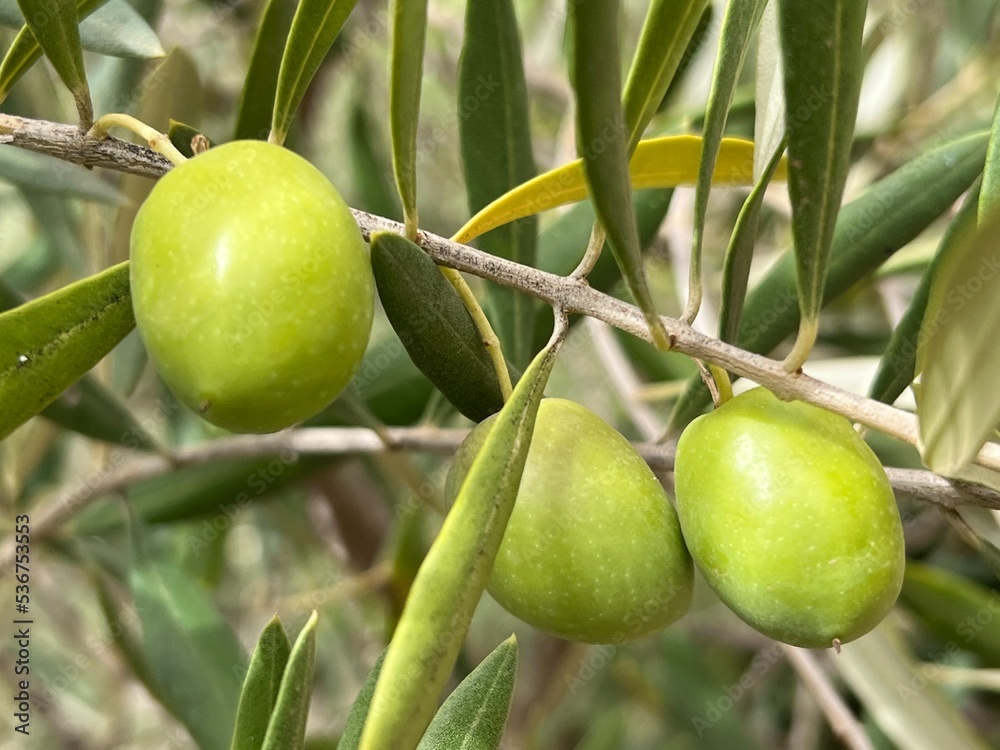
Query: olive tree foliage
[{"x": 630, "y": 205}]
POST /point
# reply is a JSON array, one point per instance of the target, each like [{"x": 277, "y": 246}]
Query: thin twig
[
  {"x": 842, "y": 721},
  {"x": 574, "y": 296},
  {"x": 335, "y": 441}
]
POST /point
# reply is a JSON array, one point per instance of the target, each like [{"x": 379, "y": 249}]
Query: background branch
[
  {"x": 573, "y": 295},
  {"x": 333, "y": 441}
]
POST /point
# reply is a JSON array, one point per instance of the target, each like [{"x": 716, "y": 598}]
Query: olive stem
[
  {"x": 157, "y": 141},
  {"x": 592, "y": 254},
  {"x": 486, "y": 331},
  {"x": 723, "y": 384}
]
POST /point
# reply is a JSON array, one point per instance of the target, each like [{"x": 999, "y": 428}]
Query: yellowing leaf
[{"x": 668, "y": 161}]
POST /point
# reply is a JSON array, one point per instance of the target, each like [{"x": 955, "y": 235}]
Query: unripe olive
[
  {"x": 251, "y": 286},
  {"x": 593, "y": 550},
  {"x": 789, "y": 516}
]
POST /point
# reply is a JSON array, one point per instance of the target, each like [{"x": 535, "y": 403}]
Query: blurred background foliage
[{"x": 235, "y": 541}]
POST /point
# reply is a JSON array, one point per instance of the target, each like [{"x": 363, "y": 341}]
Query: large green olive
[
  {"x": 592, "y": 551},
  {"x": 251, "y": 285},
  {"x": 790, "y": 517}
]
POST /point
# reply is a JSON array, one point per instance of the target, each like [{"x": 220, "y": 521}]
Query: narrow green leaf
[
  {"x": 47, "y": 344},
  {"x": 114, "y": 28},
  {"x": 89, "y": 408},
  {"x": 218, "y": 490},
  {"x": 665, "y": 35},
  {"x": 409, "y": 32},
  {"x": 315, "y": 25},
  {"x": 739, "y": 254},
  {"x": 888, "y": 215},
  {"x": 912, "y": 711},
  {"x": 496, "y": 154},
  {"x": 989, "y": 198},
  {"x": 897, "y": 368},
  {"x": 949, "y": 606},
  {"x": 194, "y": 657},
  {"x": 261, "y": 82},
  {"x": 602, "y": 139},
  {"x": 55, "y": 24},
  {"x": 434, "y": 326},
  {"x": 823, "y": 67},
  {"x": 53, "y": 176},
  {"x": 260, "y": 687},
  {"x": 738, "y": 26},
  {"x": 351, "y": 736},
  {"x": 454, "y": 574},
  {"x": 287, "y": 728},
  {"x": 959, "y": 404},
  {"x": 474, "y": 716},
  {"x": 769, "y": 92}
]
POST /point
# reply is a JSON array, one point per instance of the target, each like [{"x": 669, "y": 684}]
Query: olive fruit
[
  {"x": 790, "y": 517},
  {"x": 251, "y": 286},
  {"x": 592, "y": 551}
]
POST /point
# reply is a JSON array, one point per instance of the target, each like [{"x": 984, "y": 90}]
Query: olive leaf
[
  {"x": 667, "y": 161},
  {"x": 880, "y": 668},
  {"x": 434, "y": 325},
  {"x": 738, "y": 25},
  {"x": 261, "y": 81},
  {"x": 351, "y": 736},
  {"x": 88, "y": 407},
  {"x": 496, "y": 154},
  {"x": 196, "y": 491},
  {"x": 898, "y": 365},
  {"x": 287, "y": 727},
  {"x": 261, "y": 687},
  {"x": 823, "y": 67},
  {"x": 948, "y": 604},
  {"x": 49, "y": 343},
  {"x": 883, "y": 219},
  {"x": 315, "y": 26},
  {"x": 454, "y": 574},
  {"x": 739, "y": 254},
  {"x": 409, "y": 32},
  {"x": 114, "y": 28},
  {"x": 56, "y": 26},
  {"x": 194, "y": 657},
  {"x": 989, "y": 198},
  {"x": 473, "y": 717},
  {"x": 602, "y": 139},
  {"x": 663, "y": 42},
  {"x": 666, "y": 33},
  {"x": 959, "y": 405},
  {"x": 370, "y": 169},
  {"x": 769, "y": 94}
]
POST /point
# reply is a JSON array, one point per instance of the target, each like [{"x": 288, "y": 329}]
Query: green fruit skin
[
  {"x": 251, "y": 285},
  {"x": 789, "y": 516},
  {"x": 593, "y": 550}
]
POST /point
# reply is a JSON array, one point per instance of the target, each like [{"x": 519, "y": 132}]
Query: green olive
[
  {"x": 251, "y": 285},
  {"x": 790, "y": 517},
  {"x": 593, "y": 550}
]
